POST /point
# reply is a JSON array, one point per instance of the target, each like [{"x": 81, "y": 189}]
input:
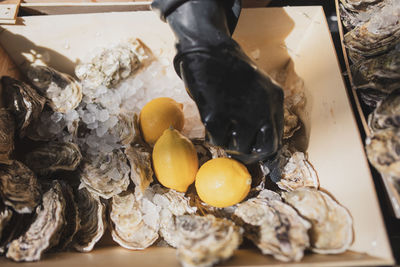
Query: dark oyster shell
[
  {"x": 371, "y": 97},
  {"x": 92, "y": 220},
  {"x": 15, "y": 227},
  {"x": 19, "y": 187},
  {"x": 22, "y": 101},
  {"x": 5, "y": 216},
  {"x": 387, "y": 113},
  {"x": 7, "y": 128},
  {"x": 53, "y": 157},
  {"x": 45, "y": 230}
]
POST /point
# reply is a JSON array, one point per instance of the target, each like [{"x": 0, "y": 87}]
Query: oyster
[
  {"x": 291, "y": 123},
  {"x": 387, "y": 113},
  {"x": 332, "y": 226},
  {"x": 53, "y": 157},
  {"x": 352, "y": 16},
  {"x": 110, "y": 66},
  {"x": 371, "y": 97},
  {"x": 207, "y": 151},
  {"x": 92, "y": 217},
  {"x": 298, "y": 172},
  {"x": 7, "y": 128},
  {"x": 61, "y": 90},
  {"x": 5, "y": 217},
  {"x": 204, "y": 241},
  {"x": 134, "y": 220},
  {"x": 19, "y": 187},
  {"x": 106, "y": 174},
  {"x": 383, "y": 151},
  {"x": 22, "y": 101},
  {"x": 45, "y": 230},
  {"x": 273, "y": 226},
  {"x": 358, "y": 4},
  {"x": 141, "y": 171},
  {"x": 124, "y": 129}
]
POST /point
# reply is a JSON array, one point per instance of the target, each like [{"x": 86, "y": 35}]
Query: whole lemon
[
  {"x": 175, "y": 160},
  {"x": 158, "y": 115},
  {"x": 222, "y": 182}
]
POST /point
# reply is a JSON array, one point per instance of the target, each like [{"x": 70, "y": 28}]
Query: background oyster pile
[
  {"x": 373, "y": 42},
  {"x": 73, "y": 164}
]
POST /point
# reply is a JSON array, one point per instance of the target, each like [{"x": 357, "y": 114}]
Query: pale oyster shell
[
  {"x": 274, "y": 227},
  {"x": 204, "y": 241},
  {"x": 358, "y": 4},
  {"x": 61, "y": 90},
  {"x": 332, "y": 226},
  {"x": 298, "y": 172},
  {"x": 106, "y": 174},
  {"x": 7, "y": 129},
  {"x": 52, "y": 157},
  {"x": 141, "y": 170},
  {"x": 45, "y": 230},
  {"x": 387, "y": 113},
  {"x": 92, "y": 220},
  {"x": 19, "y": 187},
  {"x": 383, "y": 151}
]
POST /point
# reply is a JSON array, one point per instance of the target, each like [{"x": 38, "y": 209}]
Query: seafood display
[{"x": 74, "y": 165}]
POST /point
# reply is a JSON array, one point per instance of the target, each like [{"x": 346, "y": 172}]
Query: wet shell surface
[
  {"x": 7, "y": 129},
  {"x": 19, "y": 187},
  {"x": 206, "y": 240},
  {"x": 275, "y": 227},
  {"x": 332, "y": 225},
  {"x": 45, "y": 230}
]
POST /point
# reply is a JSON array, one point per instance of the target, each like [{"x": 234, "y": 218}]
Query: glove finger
[
  {"x": 267, "y": 141},
  {"x": 241, "y": 137},
  {"x": 217, "y": 129}
]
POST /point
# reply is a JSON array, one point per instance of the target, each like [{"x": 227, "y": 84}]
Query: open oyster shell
[
  {"x": 92, "y": 220},
  {"x": 332, "y": 226},
  {"x": 7, "y": 129},
  {"x": 383, "y": 151},
  {"x": 61, "y": 90},
  {"x": 22, "y": 101},
  {"x": 387, "y": 113},
  {"x": 141, "y": 170},
  {"x": 275, "y": 227},
  {"x": 52, "y": 157},
  {"x": 204, "y": 241},
  {"x": 45, "y": 230},
  {"x": 106, "y": 174},
  {"x": 19, "y": 187},
  {"x": 298, "y": 172}
]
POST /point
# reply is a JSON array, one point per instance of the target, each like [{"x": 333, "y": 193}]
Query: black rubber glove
[{"x": 240, "y": 106}]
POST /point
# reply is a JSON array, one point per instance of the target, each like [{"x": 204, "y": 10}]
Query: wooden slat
[{"x": 9, "y": 10}]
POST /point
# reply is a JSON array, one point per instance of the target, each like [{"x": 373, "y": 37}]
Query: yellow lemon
[
  {"x": 222, "y": 182},
  {"x": 175, "y": 160},
  {"x": 158, "y": 115}
]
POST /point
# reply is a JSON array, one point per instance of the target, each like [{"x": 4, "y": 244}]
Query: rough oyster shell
[
  {"x": 134, "y": 220},
  {"x": 92, "y": 220},
  {"x": 141, "y": 171},
  {"x": 358, "y": 4},
  {"x": 387, "y": 113},
  {"x": 371, "y": 97},
  {"x": 62, "y": 91},
  {"x": 204, "y": 241},
  {"x": 383, "y": 151},
  {"x": 106, "y": 174},
  {"x": 19, "y": 187},
  {"x": 110, "y": 66},
  {"x": 44, "y": 232},
  {"x": 52, "y": 157},
  {"x": 298, "y": 172},
  {"x": 22, "y": 101},
  {"x": 207, "y": 151},
  {"x": 291, "y": 123},
  {"x": 5, "y": 217},
  {"x": 354, "y": 15},
  {"x": 332, "y": 226},
  {"x": 274, "y": 227},
  {"x": 7, "y": 128}
]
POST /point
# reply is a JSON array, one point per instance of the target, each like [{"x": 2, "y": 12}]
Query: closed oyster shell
[
  {"x": 22, "y": 101},
  {"x": 106, "y": 174},
  {"x": 45, "y": 230},
  {"x": 298, "y": 172},
  {"x": 52, "y": 157},
  {"x": 204, "y": 241},
  {"x": 7, "y": 129},
  {"x": 124, "y": 130},
  {"x": 274, "y": 227},
  {"x": 92, "y": 220},
  {"x": 291, "y": 123},
  {"x": 352, "y": 16},
  {"x": 19, "y": 187},
  {"x": 387, "y": 113},
  {"x": 5, "y": 216},
  {"x": 332, "y": 226},
  {"x": 371, "y": 97},
  {"x": 61, "y": 90},
  {"x": 357, "y": 5},
  {"x": 383, "y": 151},
  {"x": 141, "y": 170}
]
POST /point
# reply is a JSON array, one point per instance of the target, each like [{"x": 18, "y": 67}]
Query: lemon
[
  {"x": 175, "y": 160},
  {"x": 222, "y": 182},
  {"x": 158, "y": 115}
]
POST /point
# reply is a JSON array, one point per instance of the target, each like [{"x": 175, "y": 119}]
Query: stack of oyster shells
[{"x": 58, "y": 193}]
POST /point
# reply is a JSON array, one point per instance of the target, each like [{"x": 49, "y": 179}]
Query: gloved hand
[{"x": 240, "y": 106}]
